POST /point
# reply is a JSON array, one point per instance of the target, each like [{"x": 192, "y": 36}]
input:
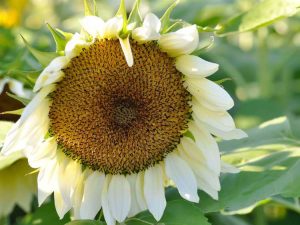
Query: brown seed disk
[{"x": 119, "y": 119}]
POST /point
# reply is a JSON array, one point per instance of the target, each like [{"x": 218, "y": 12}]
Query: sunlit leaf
[
  {"x": 122, "y": 12},
  {"x": 262, "y": 14},
  {"x": 13, "y": 112}
]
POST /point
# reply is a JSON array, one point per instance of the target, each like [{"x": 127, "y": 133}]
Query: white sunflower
[{"x": 120, "y": 113}]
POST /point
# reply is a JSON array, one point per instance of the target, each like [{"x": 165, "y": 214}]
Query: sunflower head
[{"x": 126, "y": 107}]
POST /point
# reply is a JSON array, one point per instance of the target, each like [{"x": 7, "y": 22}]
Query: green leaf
[
  {"x": 90, "y": 8},
  {"x": 24, "y": 101},
  {"x": 179, "y": 212},
  {"x": 269, "y": 161},
  {"x": 44, "y": 215},
  {"x": 85, "y": 222},
  {"x": 59, "y": 38},
  {"x": 44, "y": 58},
  {"x": 262, "y": 14},
  {"x": 165, "y": 19},
  {"x": 135, "y": 16}
]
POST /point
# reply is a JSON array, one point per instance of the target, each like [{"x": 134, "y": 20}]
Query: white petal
[
  {"x": 75, "y": 46},
  {"x": 140, "y": 191},
  {"x": 47, "y": 180},
  {"x": 227, "y": 168},
  {"x": 150, "y": 29},
  {"x": 207, "y": 145},
  {"x": 154, "y": 191},
  {"x": 94, "y": 25},
  {"x": 226, "y": 135},
  {"x": 44, "y": 152},
  {"x": 203, "y": 185},
  {"x": 104, "y": 197},
  {"x": 195, "y": 67},
  {"x": 119, "y": 198},
  {"x": 134, "y": 208},
  {"x": 180, "y": 172},
  {"x": 210, "y": 94},
  {"x": 31, "y": 132},
  {"x": 125, "y": 44},
  {"x": 218, "y": 119},
  {"x": 77, "y": 196},
  {"x": 112, "y": 27},
  {"x": 35, "y": 102},
  {"x": 181, "y": 42},
  {"x": 72, "y": 171},
  {"x": 61, "y": 207},
  {"x": 52, "y": 73},
  {"x": 200, "y": 168},
  {"x": 91, "y": 201}
]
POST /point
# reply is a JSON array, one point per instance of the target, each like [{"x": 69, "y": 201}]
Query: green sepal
[
  {"x": 90, "y": 8},
  {"x": 165, "y": 19},
  {"x": 122, "y": 12},
  {"x": 44, "y": 58},
  {"x": 24, "y": 101},
  {"x": 13, "y": 112},
  {"x": 219, "y": 82},
  {"x": 135, "y": 16},
  {"x": 59, "y": 38},
  {"x": 204, "y": 45},
  {"x": 207, "y": 29}
]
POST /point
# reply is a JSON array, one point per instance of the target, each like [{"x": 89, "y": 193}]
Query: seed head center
[
  {"x": 118, "y": 119},
  {"x": 125, "y": 113}
]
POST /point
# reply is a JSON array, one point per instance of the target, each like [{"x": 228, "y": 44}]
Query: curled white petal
[
  {"x": 180, "y": 172},
  {"x": 195, "y": 67},
  {"x": 154, "y": 191},
  {"x": 181, "y": 42},
  {"x": 94, "y": 25},
  {"x": 52, "y": 73},
  {"x": 150, "y": 29},
  {"x": 209, "y": 94}
]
